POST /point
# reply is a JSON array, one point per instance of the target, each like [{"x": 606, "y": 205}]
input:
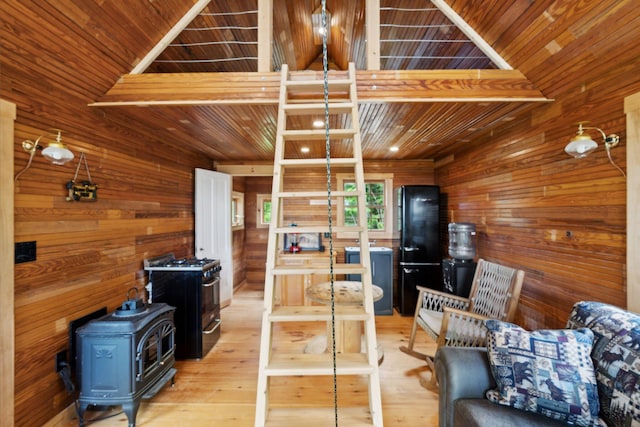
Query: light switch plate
[{"x": 25, "y": 252}]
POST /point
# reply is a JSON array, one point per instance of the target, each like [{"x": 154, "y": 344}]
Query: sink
[{"x": 371, "y": 249}]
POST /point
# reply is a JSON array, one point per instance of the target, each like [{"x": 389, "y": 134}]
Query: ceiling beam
[
  {"x": 168, "y": 38},
  {"x": 265, "y": 33},
  {"x": 373, "y": 86},
  {"x": 373, "y": 34},
  {"x": 472, "y": 34}
]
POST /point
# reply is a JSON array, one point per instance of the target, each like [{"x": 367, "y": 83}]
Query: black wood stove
[{"x": 125, "y": 356}]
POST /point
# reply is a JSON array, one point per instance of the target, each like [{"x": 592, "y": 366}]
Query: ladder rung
[
  {"x": 318, "y": 108},
  {"x": 316, "y": 313},
  {"x": 319, "y": 416},
  {"x": 318, "y": 229},
  {"x": 341, "y": 161},
  {"x": 297, "y": 86},
  {"x": 318, "y": 364},
  {"x": 288, "y": 270},
  {"x": 296, "y": 135},
  {"x": 317, "y": 194}
]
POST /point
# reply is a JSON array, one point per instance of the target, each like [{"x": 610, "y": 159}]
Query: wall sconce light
[
  {"x": 582, "y": 144},
  {"x": 55, "y": 152},
  {"x": 318, "y": 28}
]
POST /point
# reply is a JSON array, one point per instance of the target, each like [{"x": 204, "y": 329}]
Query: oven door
[{"x": 210, "y": 312}]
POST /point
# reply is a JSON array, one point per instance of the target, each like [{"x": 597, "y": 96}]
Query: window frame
[
  {"x": 260, "y": 201},
  {"x": 387, "y": 179},
  {"x": 237, "y": 213}
]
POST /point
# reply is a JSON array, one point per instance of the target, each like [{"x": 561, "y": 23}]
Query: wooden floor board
[{"x": 220, "y": 389}]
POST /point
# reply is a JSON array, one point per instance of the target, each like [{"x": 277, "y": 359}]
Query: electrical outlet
[{"x": 61, "y": 360}]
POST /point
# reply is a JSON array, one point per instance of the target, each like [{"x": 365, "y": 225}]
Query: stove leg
[
  {"x": 82, "y": 407},
  {"x": 131, "y": 409}
]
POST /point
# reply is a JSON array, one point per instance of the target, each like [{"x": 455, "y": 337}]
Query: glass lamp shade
[
  {"x": 57, "y": 153},
  {"x": 580, "y": 146}
]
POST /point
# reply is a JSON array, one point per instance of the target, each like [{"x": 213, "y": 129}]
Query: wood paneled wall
[
  {"x": 89, "y": 254},
  {"x": 413, "y": 172},
  {"x": 238, "y": 242},
  {"x": 560, "y": 219}
]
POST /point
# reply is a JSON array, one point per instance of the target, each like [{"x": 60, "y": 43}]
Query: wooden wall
[
  {"x": 88, "y": 253},
  {"x": 562, "y": 220},
  {"x": 238, "y": 243},
  {"x": 412, "y": 172}
]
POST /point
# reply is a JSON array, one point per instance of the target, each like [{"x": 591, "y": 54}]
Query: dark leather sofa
[{"x": 464, "y": 375}]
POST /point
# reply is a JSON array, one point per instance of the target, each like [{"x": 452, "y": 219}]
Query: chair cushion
[
  {"x": 433, "y": 319},
  {"x": 549, "y": 372}
]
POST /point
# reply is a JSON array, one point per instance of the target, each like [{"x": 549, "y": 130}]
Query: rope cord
[{"x": 325, "y": 75}]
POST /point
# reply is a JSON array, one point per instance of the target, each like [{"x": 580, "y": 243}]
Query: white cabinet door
[{"x": 213, "y": 224}]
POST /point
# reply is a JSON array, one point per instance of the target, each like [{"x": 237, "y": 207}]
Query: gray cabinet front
[{"x": 381, "y": 275}]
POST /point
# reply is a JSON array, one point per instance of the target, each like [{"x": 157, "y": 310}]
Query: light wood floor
[{"x": 220, "y": 389}]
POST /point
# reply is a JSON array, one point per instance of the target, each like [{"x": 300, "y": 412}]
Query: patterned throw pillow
[
  {"x": 616, "y": 359},
  {"x": 549, "y": 372}
]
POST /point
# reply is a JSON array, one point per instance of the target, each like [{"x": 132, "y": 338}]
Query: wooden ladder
[{"x": 302, "y": 94}]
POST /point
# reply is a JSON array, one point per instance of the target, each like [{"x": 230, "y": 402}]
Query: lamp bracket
[
  {"x": 31, "y": 146},
  {"x": 611, "y": 141}
]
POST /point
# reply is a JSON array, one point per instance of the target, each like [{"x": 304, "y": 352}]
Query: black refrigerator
[{"x": 419, "y": 254}]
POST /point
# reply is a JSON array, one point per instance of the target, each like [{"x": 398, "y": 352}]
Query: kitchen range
[{"x": 192, "y": 286}]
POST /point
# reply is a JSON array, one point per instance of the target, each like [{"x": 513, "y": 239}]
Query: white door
[{"x": 213, "y": 225}]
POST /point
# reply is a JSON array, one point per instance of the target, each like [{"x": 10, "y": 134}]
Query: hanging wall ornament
[{"x": 83, "y": 191}]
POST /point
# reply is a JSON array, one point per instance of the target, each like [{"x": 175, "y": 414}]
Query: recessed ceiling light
[
  {"x": 305, "y": 149},
  {"x": 394, "y": 149},
  {"x": 318, "y": 123}
]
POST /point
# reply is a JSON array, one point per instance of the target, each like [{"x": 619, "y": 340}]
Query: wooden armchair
[{"x": 455, "y": 321}]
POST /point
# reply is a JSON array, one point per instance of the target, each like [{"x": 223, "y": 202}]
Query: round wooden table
[{"x": 348, "y": 333}]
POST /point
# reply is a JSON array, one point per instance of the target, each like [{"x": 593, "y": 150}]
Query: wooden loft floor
[{"x": 220, "y": 390}]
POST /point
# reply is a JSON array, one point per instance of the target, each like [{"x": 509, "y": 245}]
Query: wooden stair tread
[
  {"x": 317, "y": 108},
  {"x": 318, "y": 229},
  {"x": 318, "y": 417},
  {"x": 314, "y": 134},
  {"x": 313, "y": 86},
  {"x": 316, "y": 194},
  {"x": 342, "y": 161},
  {"x": 315, "y": 313},
  {"x": 318, "y": 364},
  {"x": 314, "y": 269}
]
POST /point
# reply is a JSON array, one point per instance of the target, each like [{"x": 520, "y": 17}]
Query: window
[
  {"x": 264, "y": 211},
  {"x": 237, "y": 210},
  {"x": 379, "y": 200}
]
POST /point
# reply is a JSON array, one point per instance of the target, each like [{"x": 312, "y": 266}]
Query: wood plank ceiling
[{"x": 92, "y": 45}]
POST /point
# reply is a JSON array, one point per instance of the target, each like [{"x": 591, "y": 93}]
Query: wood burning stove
[{"x": 125, "y": 356}]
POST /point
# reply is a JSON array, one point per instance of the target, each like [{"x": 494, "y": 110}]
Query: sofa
[{"x": 467, "y": 376}]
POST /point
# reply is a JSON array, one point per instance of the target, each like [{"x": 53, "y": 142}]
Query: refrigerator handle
[
  {"x": 410, "y": 249},
  {"x": 409, "y": 270}
]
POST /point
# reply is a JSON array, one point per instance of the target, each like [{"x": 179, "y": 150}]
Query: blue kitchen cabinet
[{"x": 381, "y": 274}]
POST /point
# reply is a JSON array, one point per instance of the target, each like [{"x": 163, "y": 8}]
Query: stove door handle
[
  {"x": 212, "y": 330},
  {"x": 210, "y": 284}
]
